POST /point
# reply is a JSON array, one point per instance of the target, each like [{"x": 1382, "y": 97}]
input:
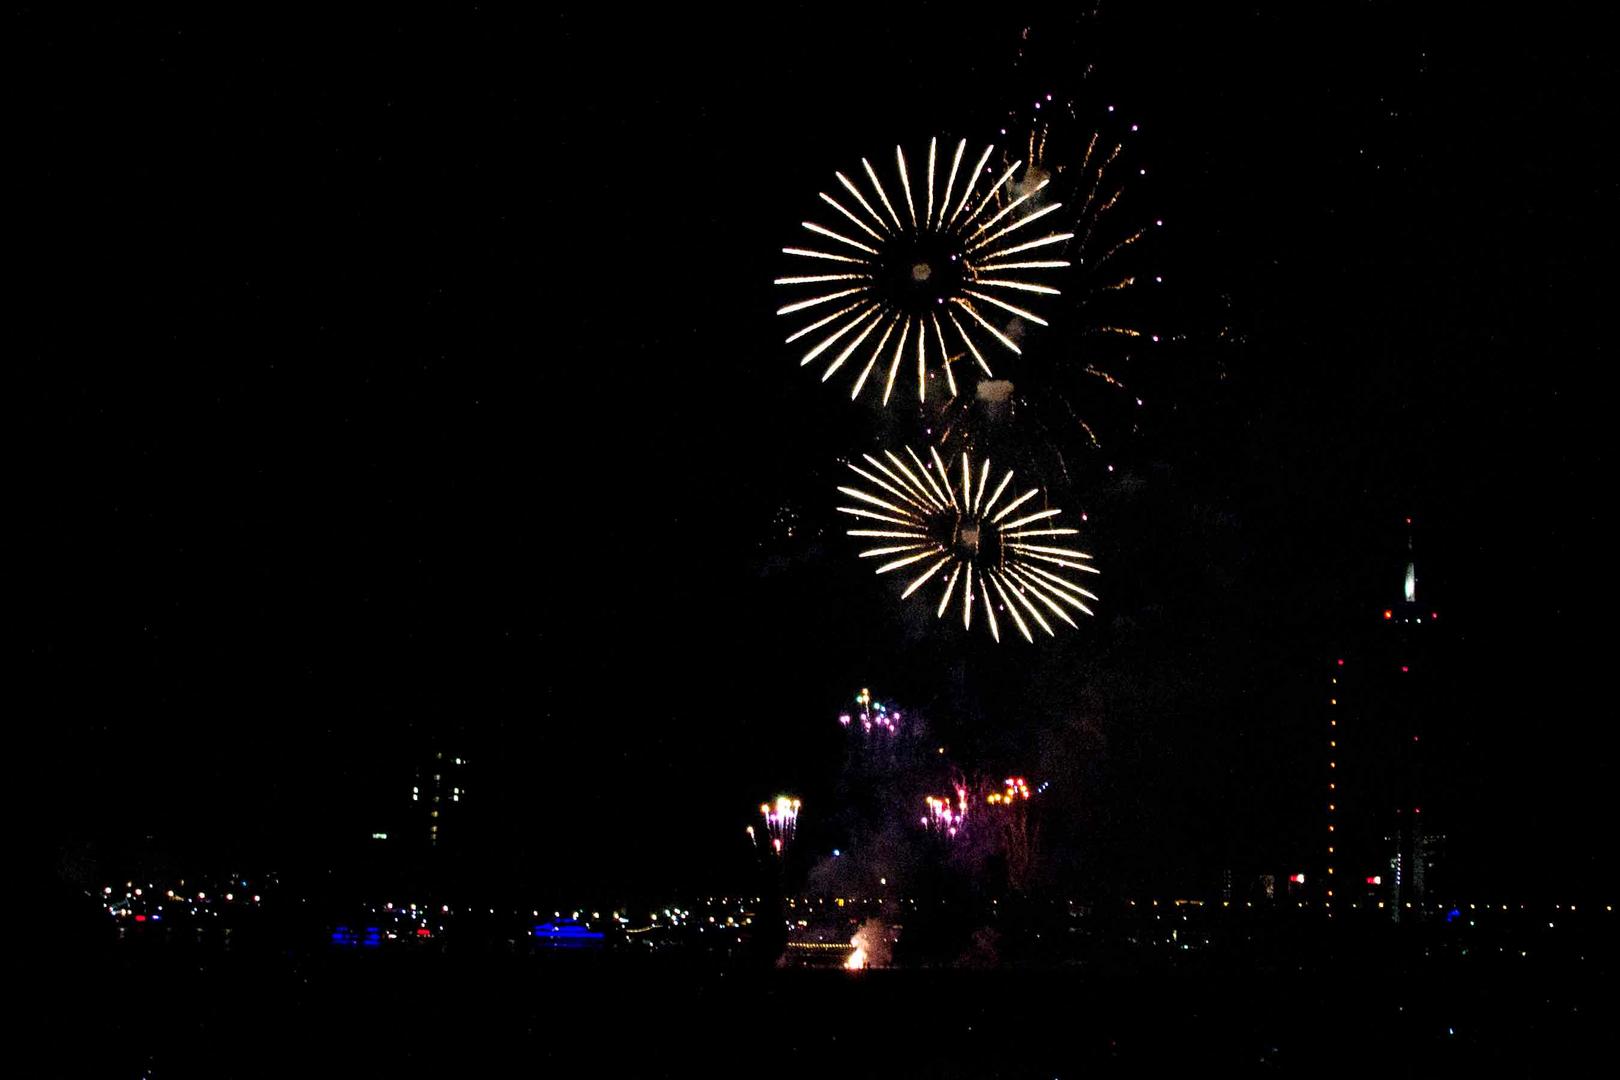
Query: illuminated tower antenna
[{"x": 1411, "y": 567}]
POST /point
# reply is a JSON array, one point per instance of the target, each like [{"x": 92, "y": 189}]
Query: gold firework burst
[
  {"x": 923, "y": 285},
  {"x": 983, "y": 545}
]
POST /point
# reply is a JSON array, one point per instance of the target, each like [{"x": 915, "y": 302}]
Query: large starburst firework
[
  {"x": 922, "y": 283},
  {"x": 986, "y": 547}
]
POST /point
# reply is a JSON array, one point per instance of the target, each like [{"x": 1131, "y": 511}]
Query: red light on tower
[
  {"x": 1341, "y": 662},
  {"x": 1405, "y": 669},
  {"x": 1375, "y": 879},
  {"x": 1389, "y": 613}
]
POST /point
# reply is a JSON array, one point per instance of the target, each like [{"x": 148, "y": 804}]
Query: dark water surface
[{"x": 165, "y": 1008}]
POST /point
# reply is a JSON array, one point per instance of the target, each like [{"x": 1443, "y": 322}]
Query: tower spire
[{"x": 1410, "y": 586}]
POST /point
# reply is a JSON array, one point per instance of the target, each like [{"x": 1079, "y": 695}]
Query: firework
[
  {"x": 781, "y": 821},
  {"x": 1014, "y": 788},
  {"x": 1091, "y": 169},
  {"x": 1009, "y": 807},
  {"x": 981, "y": 546},
  {"x": 872, "y": 715},
  {"x": 944, "y": 817},
  {"x": 872, "y": 946},
  {"x": 936, "y": 279},
  {"x": 1071, "y": 394}
]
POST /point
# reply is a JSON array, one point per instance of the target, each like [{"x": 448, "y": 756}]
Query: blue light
[
  {"x": 566, "y": 933},
  {"x": 342, "y": 935},
  {"x": 1453, "y": 915}
]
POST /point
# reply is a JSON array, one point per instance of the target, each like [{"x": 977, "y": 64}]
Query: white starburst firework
[
  {"x": 985, "y": 548},
  {"x": 920, "y": 284}
]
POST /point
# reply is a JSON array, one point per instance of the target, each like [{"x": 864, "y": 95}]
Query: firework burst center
[{"x": 921, "y": 271}]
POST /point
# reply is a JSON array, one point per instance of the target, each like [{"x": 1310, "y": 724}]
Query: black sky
[{"x": 392, "y": 377}]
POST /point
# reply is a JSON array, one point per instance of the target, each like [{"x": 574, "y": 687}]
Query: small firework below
[
  {"x": 925, "y": 283},
  {"x": 781, "y": 821},
  {"x": 873, "y": 715},
  {"x": 1014, "y": 788},
  {"x": 947, "y": 819},
  {"x": 932, "y": 522},
  {"x": 872, "y": 946},
  {"x": 1011, "y": 811}
]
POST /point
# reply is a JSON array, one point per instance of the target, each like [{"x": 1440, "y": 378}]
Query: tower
[
  {"x": 1385, "y": 702},
  {"x": 1406, "y": 708}
]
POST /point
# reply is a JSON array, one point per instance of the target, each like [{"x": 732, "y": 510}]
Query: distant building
[
  {"x": 1384, "y": 703},
  {"x": 438, "y": 789}
]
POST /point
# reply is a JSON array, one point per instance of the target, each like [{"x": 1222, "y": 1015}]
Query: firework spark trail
[
  {"x": 950, "y": 529},
  {"x": 950, "y": 821},
  {"x": 781, "y": 821},
  {"x": 904, "y": 270},
  {"x": 1062, "y": 211}
]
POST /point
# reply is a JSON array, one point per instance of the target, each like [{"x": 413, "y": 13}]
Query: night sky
[{"x": 388, "y": 379}]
